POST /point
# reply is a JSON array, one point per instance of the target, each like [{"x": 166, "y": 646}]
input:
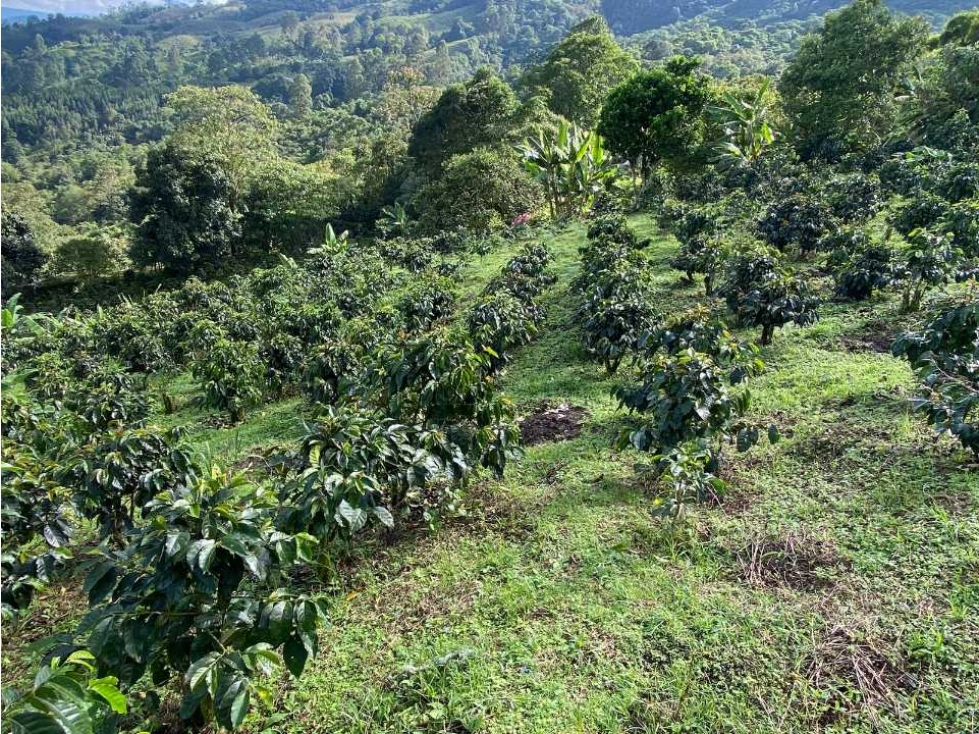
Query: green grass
[
  {"x": 559, "y": 603},
  {"x": 574, "y": 609}
]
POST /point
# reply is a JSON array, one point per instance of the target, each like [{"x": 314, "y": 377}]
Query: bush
[
  {"x": 945, "y": 357},
  {"x": 868, "y": 269},
  {"x": 962, "y": 221},
  {"x": 480, "y": 191},
  {"x": 426, "y": 304},
  {"x": 854, "y": 197},
  {"x": 231, "y": 374},
  {"x": 499, "y": 323},
  {"x": 684, "y": 398},
  {"x": 929, "y": 260},
  {"x": 88, "y": 257},
  {"x": 759, "y": 291},
  {"x": 924, "y": 211},
  {"x": 961, "y": 182},
  {"x": 614, "y": 284},
  {"x": 197, "y": 599},
  {"x": 797, "y": 219},
  {"x": 841, "y": 245}
]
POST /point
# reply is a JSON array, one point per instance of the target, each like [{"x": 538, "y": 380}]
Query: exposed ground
[{"x": 834, "y": 588}]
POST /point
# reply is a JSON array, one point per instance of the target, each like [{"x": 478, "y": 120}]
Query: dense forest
[{"x": 451, "y": 366}]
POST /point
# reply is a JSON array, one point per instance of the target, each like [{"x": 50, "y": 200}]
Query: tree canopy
[
  {"x": 657, "y": 115},
  {"x": 839, "y": 90}
]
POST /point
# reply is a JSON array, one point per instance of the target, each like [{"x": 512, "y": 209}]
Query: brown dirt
[
  {"x": 548, "y": 423},
  {"x": 848, "y": 660},
  {"x": 876, "y": 336},
  {"x": 794, "y": 561}
]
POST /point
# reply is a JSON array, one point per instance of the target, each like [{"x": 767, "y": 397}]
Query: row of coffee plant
[
  {"x": 191, "y": 587},
  {"x": 687, "y": 365}
]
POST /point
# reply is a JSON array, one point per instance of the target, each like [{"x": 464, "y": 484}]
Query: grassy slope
[{"x": 576, "y": 610}]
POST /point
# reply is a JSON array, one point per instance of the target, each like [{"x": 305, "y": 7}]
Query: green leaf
[
  {"x": 108, "y": 688},
  {"x": 239, "y": 707},
  {"x": 100, "y": 581},
  {"x": 34, "y": 722},
  {"x": 201, "y": 551},
  {"x": 295, "y": 654},
  {"x": 773, "y": 435},
  {"x": 199, "y": 671}
]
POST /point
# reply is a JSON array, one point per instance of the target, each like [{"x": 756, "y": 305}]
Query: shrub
[
  {"x": 499, "y": 323},
  {"x": 440, "y": 379},
  {"x": 854, "y": 197},
  {"x": 759, "y": 291},
  {"x": 797, "y": 219},
  {"x": 961, "y": 182},
  {"x": 614, "y": 284},
  {"x": 480, "y": 191},
  {"x": 230, "y": 374},
  {"x": 945, "y": 356},
  {"x": 426, "y": 304},
  {"x": 962, "y": 221},
  {"x": 868, "y": 269},
  {"x": 684, "y": 397},
  {"x": 929, "y": 260},
  {"x": 139, "y": 335},
  {"x": 924, "y": 211},
  {"x": 118, "y": 472},
  {"x": 700, "y": 256},
  {"x": 196, "y": 599},
  {"x": 921, "y": 169},
  {"x": 613, "y": 327},
  {"x": 841, "y": 245}
]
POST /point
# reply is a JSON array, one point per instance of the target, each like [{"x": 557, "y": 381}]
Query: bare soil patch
[
  {"x": 876, "y": 336},
  {"x": 847, "y": 661},
  {"x": 794, "y": 561},
  {"x": 549, "y": 423}
]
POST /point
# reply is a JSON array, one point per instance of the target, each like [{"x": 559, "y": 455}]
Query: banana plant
[
  {"x": 332, "y": 242},
  {"x": 393, "y": 221},
  {"x": 747, "y": 130},
  {"x": 571, "y": 163}
]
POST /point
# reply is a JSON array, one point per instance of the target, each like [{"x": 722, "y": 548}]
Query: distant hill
[{"x": 20, "y": 15}]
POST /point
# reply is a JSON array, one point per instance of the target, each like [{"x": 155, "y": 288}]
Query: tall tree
[
  {"x": 478, "y": 112},
  {"x": 657, "y": 115},
  {"x": 300, "y": 96},
  {"x": 839, "y": 90},
  {"x": 182, "y": 210},
  {"x": 579, "y": 71},
  {"x": 229, "y": 125},
  {"x": 22, "y": 258}
]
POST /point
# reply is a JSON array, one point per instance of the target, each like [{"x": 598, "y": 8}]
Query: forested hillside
[{"x": 518, "y": 367}]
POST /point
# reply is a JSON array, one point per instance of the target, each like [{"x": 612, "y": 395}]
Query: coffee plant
[
  {"x": 945, "y": 357},
  {"x": 853, "y": 197},
  {"x": 67, "y": 697},
  {"x": 930, "y": 260},
  {"x": 117, "y": 472},
  {"x": 615, "y": 308},
  {"x": 196, "y": 599},
  {"x": 868, "y": 269},
  {"x": 230, "y": 374},
  {"x": 499, "y": 323},
  {"x": 795, "y": 220},
  {"x": 426, "y": 304},
  {"x": 924, "y": 211}
]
